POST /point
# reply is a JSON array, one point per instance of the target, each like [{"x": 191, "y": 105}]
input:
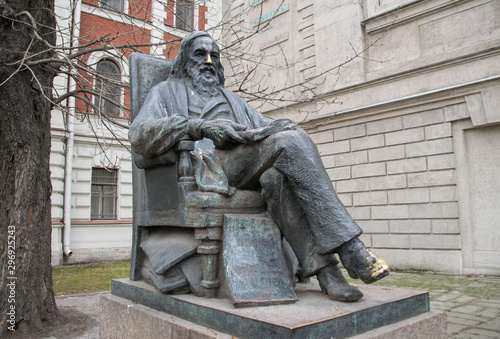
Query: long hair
[{"x": 179, "y": 70}]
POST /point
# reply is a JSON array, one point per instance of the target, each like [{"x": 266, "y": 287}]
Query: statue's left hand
[
  {"x": 224, "y": 133},
  {"x": 274, "y": 127},
  {"x": 284, "y": 124}
]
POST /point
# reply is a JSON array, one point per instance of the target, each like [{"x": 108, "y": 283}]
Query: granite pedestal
[{"x": 137, "y": 310}]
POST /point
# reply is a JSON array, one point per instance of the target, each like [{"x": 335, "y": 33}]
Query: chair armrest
[
  {"x": 185, "y": 167},
  {"x": 168, "y": 158},
  {"x": 185, "y": 145}
]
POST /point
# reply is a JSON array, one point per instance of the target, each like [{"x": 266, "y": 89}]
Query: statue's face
[{"x": 203, "y": 57}]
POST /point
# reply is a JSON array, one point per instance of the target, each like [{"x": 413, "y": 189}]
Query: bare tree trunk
[{"x": 27, "y": 297}]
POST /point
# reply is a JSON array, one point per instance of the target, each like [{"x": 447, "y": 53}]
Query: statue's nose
[{"x": 209, "y": 59}]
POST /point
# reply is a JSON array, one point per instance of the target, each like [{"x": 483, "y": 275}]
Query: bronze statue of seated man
[{"x": 252, "y": 152}]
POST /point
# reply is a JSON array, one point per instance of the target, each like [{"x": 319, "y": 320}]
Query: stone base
[
  {"x": 428, "y": 325},
  {"x": 120, "y": 318},
  {"x": 137, "y": 310}
]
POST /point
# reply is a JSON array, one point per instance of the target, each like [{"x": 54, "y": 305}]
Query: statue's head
[{"x": 198, "y": 59}]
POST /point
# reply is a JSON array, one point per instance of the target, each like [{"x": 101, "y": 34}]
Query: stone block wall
[
  {"x": 420, "y": 176},
  {"x": 397, "y": 177}
]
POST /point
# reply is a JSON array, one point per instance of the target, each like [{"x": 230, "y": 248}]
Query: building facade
[
  {"x": 91, "y": 168},
  {"x": 402, "y": 98}
]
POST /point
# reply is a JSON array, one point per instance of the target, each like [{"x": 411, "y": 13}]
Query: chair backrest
[
  {"x": 146, "y": 71},
  {"x": 155, "y": 188}
]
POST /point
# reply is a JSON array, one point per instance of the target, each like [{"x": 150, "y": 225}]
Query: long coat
[{"x": 163, "y": 118}]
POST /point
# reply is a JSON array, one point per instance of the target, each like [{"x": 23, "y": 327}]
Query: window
[
  {"x": 107, "y": 69},
  {"x": 103, "y": 194},
  {"x": 184, "y": 10},
  {"x": 116, "y": 5}
]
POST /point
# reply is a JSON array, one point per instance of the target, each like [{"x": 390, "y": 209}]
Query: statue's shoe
[
  {"x": 333, "y": 283},
  {"x": 362, "y": 263}
]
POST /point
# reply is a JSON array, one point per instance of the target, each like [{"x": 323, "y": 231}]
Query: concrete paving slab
[
  {"x": 468, "y": 309},
  {"x": 463, "y": 321},
  {"x": 483, "y": 333},
  {"x": 456, "y": 328},
  {"x": 493, "y": 325}
]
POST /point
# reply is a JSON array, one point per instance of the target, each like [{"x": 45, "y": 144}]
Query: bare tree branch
[{"x": 248, "y": 70}]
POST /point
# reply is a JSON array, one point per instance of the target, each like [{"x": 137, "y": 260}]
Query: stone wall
[
  {"x": 412, "y": 174},
  {"x": 397, "y": 177},
  {"x": 402, "y": 98}
]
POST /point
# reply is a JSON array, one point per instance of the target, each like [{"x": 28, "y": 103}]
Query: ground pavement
[{"x": 472, "y": 304}]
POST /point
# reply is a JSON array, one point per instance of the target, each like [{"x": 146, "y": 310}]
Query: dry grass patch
[{"x": 77, "y": 279}]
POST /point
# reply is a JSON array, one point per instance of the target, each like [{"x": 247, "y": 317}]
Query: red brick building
[{"x": 90, "y": 159}]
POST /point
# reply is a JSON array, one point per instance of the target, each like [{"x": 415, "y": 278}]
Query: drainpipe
[{"x": 68, "y": 169}]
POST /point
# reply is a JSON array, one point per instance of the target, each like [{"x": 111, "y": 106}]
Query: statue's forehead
[{"x": 204, "y": 42}]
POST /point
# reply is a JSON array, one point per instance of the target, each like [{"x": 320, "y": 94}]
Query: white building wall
[
  {"x": 96, "y": 146},
  {"x": 91, "y": 240},
  {"x": 158, "y": 15},
  {"x": 214, "y": 16}
]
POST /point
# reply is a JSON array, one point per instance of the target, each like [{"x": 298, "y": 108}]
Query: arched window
[
  {"x": 107, "y": 69},
  {"x": 184, "y": 10}
]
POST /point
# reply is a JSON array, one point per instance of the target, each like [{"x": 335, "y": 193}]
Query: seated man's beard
[{"x": 204, "y": 81}]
